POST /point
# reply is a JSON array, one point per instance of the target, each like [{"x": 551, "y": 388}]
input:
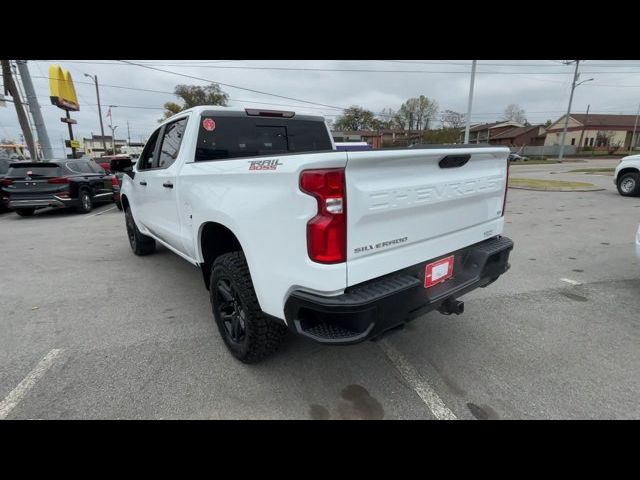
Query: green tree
[
  {"x": 194, "y": 95},
  {"x": 356, "y": 118},
  {"x": 547, "y": 124},
  {"x": 442, "y": 135}
]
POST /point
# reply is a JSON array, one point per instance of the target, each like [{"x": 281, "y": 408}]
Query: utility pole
[
  {"x": 128, "y": 134},
  {"x": 34, "y": 106},
  {"x": 95, "y": 80},
  {"x": 566, "y": 120},
  {"x": 473, "y": 77},
  {"x": 586, "y": 119},
  {"x": 11, "y": 89},
  {"x": 633, "y": 135},
  {"x": 113, "y": 130}
]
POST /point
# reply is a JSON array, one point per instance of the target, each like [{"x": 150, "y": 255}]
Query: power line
[
  {"x": 504, "y": 64},
  {"x": 358, "y": 70},
  {"x": 231, "y": 86}
]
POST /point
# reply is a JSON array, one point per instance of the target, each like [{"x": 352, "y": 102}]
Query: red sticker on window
[{"x": 208, "y": 124}]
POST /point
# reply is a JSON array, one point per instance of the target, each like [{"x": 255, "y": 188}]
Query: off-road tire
[
  {"x": 262, "y": 336},
  {"x": 140, "y": 244}
]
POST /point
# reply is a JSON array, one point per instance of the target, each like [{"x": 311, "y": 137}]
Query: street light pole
[
  {"x": 470, "y": 103},
  {"x": 113, "y": 129},
  {"x": 95, "y": 80},
  {"x": 113, "y": 138}
]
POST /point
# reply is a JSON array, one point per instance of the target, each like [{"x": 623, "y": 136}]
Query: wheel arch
[
  {"x": 625, "y": 171},
  {"x": 214, "y": 239},
  {"x": 125, "y": 201}
]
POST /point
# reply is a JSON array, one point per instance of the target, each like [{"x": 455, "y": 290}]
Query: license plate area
[{"x": 438, "y": 271}]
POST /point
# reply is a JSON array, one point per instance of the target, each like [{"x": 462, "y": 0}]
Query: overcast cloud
[{"x": 541, "y": 87}]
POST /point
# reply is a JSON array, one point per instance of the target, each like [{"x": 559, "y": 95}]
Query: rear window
[
  {"x": 37, "y": 170},
  {"x": 234, "y": 137}
]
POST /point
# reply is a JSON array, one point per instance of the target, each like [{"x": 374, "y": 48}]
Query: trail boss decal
[
  {"x": 386, "y": 244},
  {"x": 264, "y": 164}
]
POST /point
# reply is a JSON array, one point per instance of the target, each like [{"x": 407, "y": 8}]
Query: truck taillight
[
  {"x": 114, "y": 181},
  {"x": 506, "y": 188},
  {"x": 6, "y": 183},
  {"x": 327, "y": 231}
]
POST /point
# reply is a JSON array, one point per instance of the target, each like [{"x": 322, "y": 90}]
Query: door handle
[
  {"x": 167, "y": 185},
  {"x": 143, "y": 183}
]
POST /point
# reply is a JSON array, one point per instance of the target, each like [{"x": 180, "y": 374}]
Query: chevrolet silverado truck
[{"x": 292, "y": 235}]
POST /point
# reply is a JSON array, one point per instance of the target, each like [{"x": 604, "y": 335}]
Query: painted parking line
[
  {"x": 101, "y": 212},
  {"x": 18, "y": 393},
  {"x": 572, "y": 282},
  {"x": 417, "y": 382}
]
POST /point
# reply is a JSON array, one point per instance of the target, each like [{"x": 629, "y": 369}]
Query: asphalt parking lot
[{"x": 91, "y": 331}]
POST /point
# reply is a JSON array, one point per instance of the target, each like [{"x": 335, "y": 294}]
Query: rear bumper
[
  {"x": 49, "y": 201},
  {"x": 369, "y": 309}
]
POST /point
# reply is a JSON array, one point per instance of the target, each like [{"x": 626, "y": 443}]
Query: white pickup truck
[
  {"x": 627, "y": 176},
  {"x": 290, "y": 234}
]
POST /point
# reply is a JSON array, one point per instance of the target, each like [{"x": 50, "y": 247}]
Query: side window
[
  {"x": 146, "y": 158},
  {"x": 95, "y": 168},
  {"x": 171, "y": 140},
  {"x": 85, "y": 167},
  {"x": 74, "y": 167}
]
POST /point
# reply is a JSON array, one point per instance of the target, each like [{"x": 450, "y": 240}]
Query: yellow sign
[
  {"x": 74, "y": 143},
  {"x": 63, "y": 93}
]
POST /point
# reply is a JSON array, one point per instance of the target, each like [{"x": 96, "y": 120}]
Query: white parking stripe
[
  {"x": 18, "y": 393},
  {"x": 101, "y": 212},
  {"x": 419, "y": 384},
  {"x": 572, "y": 282}
]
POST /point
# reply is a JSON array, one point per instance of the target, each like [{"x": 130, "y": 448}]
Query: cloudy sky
[{"x": 541, "y": 87}]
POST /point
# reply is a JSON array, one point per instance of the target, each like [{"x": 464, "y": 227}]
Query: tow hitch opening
[{"x": 451, "y": 306}]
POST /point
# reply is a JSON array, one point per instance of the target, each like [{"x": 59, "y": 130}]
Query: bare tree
[
  {"x": 603, "y": 138},
  {"x": 514, "y": 113},
  {"x": 451, "y": 119},
  {"x": 426, "y": 110},
  {"x": 399, "y": 120},
  {"x": 387, "y": 118}
]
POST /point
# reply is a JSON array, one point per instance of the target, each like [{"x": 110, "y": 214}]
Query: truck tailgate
[{"x": 412, "y": 205}]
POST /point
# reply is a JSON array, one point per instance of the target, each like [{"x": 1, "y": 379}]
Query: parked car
[
  {"x": 289, "y": 233},
  {"x": 5, "y": 163},
  {"x": 70, "y": 183},
  {"x": 4, "y": 168},
  {"x": 515, "y": 157},
  {"x": 627, "y": 176},
  {"x": 119, "y": 166}
]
